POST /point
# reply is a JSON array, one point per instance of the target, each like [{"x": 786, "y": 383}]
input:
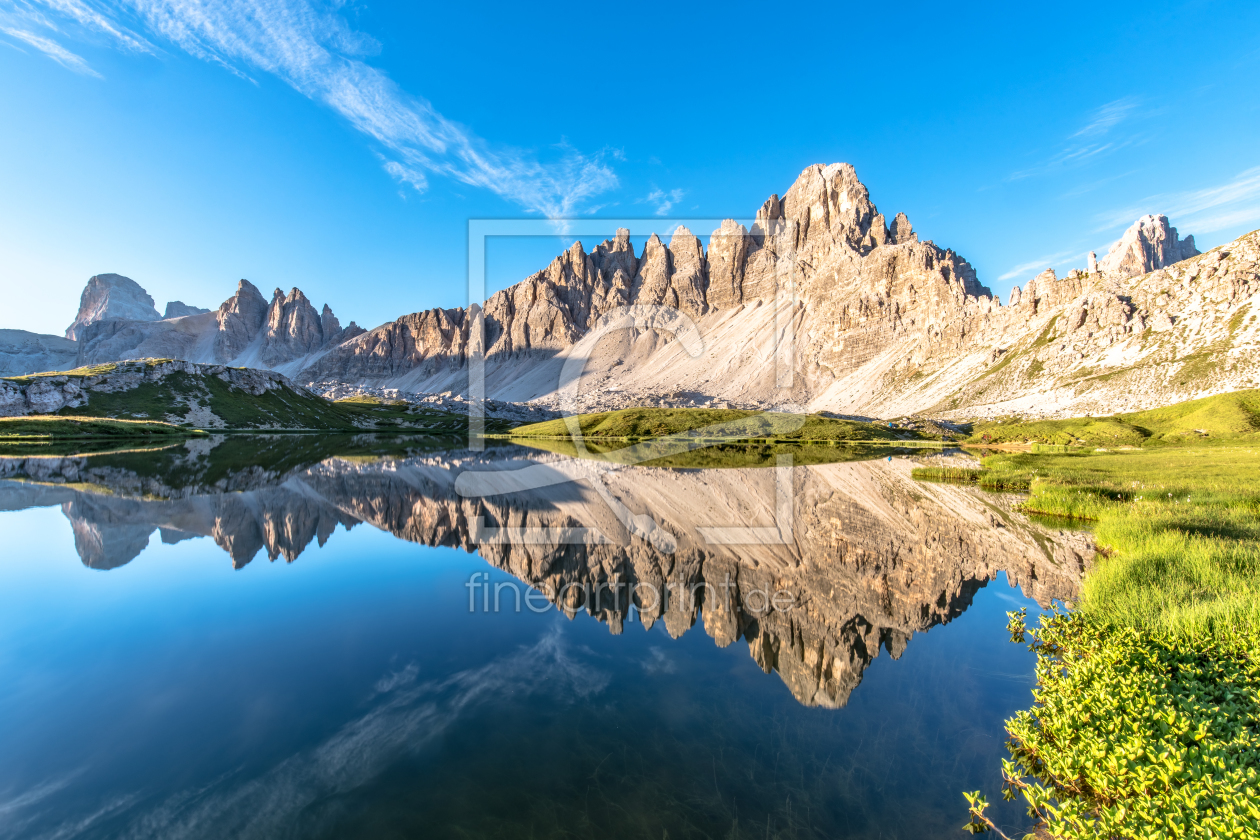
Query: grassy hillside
[
  {"x": 679, "y": 454},
  {"x": 203, "y": 400},
  {"x": 48, "y": 435},
  {"x": 45, "y": 427},
  {"x": 635, "y": 424},
  {"x": 1224, "y": 418}
]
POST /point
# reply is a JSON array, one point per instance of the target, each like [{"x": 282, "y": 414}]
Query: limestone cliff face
[
  {"x": 109, "y": 296},
  {"x": 871, "y": 559},
  {"x": 240, "y": 319}
]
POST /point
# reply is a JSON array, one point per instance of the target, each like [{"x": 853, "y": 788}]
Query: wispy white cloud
[
  {"x": 1088, "y": 142},
  {"x": 53, "y": 50},
  {"x": 1038, "y": 265},
  {"x": 1107, "y": 117},
  {"x": 90, "y": 18},
  {"x": 664, "y": 201},
  {"x": 1231, "y": 204},
  {"x": 316, "y": 52},
  {"x": 407, "y": 175}
]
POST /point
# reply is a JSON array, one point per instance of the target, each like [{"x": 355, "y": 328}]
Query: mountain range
[{"x": 819, "y": 303}]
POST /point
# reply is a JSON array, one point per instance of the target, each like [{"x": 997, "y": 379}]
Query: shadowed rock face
[
  {"x": 179, "y": 309},
  {"x": 866, "y": 559}
]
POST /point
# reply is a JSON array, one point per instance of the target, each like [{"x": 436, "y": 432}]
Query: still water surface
[{"x": 160, "y": 678}]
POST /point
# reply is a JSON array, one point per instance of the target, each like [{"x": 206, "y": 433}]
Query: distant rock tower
[
  {"x": 1093, "y": 263},
  {"x": 1149, "y": 243}
]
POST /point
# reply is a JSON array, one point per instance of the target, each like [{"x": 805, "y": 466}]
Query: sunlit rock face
[
  {"x": 847, "y": 558},
  {"x": 1149, "y": 243},
  {"x": 111, "y": 296}
]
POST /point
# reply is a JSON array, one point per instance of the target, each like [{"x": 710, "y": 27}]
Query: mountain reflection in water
[{"x": 870, "y": 556}]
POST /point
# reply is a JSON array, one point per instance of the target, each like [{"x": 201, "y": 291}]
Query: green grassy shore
[
  {"x": 629, "y": 425},
  {"x": 703, "y": 438},
  {"x": 1224, "y": 418},
  {"x": 1146, "y": 714}
]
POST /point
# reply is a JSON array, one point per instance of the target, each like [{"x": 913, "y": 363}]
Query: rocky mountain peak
[
  {"x": 829, "y": 206},
  {"x": 111, "y": 296},
  {"x": 240, "y": 317},
  {"x": 728, "y": 254},
  {"x": 900, "y": 231},
  {"x": 179, "y": 309},
  {"x": 293, "y": 328},
  {"x": 329, "y": 321},
  {"x": 1149, "y": 243},
  {"x": 771, "y": 210},
  {"x": 615, "y": 259}
]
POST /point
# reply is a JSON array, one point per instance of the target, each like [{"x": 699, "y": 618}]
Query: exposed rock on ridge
[
  {"x": 52, "y": 393},
  {"x": 23, "y": 352},
  {"x": 178, "y": 309}
]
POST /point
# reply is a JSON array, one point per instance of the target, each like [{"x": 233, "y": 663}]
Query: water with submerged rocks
[{"x": 313, "y": 636}]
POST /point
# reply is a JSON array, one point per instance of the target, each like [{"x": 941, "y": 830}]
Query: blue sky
[{"x": 342, "y": 147}]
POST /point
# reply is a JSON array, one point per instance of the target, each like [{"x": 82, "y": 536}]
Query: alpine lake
[{"x": 258, "y": 636}]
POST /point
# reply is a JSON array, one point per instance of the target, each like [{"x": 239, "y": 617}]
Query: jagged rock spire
[{"x": 1149, "y": 243}]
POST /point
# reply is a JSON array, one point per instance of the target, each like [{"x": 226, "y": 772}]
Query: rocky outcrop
[
  {"x": 872, "y": 557},
  {"x": 1149, "y": 243},
  {"x": 23, "y": 352},
  {"x": 108, "y": 296},
  {"x": 188, "y": 399},
  {"x": 179, "y": 309}
]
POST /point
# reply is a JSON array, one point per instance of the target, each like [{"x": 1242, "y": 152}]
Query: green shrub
[{"x": 1135, "y": 734}]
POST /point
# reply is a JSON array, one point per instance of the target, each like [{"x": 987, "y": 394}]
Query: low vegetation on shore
[
  {"x": 45, "y": 427},
  {"x": 614, "y": 428},
  {"x": 51, "y": 435},
  {"x": 1148, "y": 689}
]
